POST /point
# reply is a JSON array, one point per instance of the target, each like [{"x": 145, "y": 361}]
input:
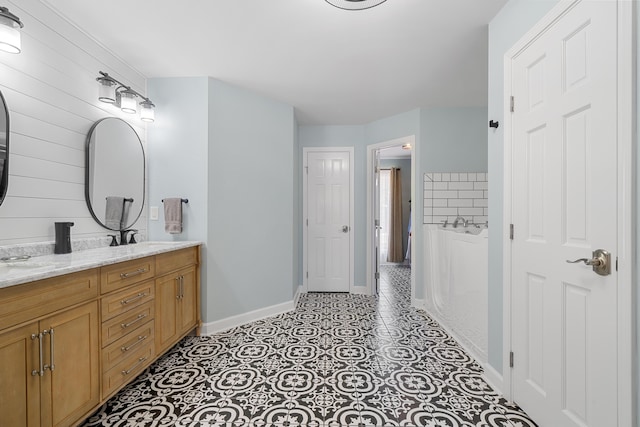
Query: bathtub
[{"x": 456, "y": 283}]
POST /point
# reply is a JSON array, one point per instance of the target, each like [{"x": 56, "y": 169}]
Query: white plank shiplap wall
[{"x": 51, "y": 94}]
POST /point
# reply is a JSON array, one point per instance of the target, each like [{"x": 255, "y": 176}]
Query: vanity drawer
[
  {"x": 128, "y": 368},
  {"x": 118, "y": 351},
  {"x": 171, "y": 261},
  {"x": 127, "y": 299},
  {"x": 117, "y": 276},
  {"x": 27, "y": 302},
  {"x": 119, "y": 326}
]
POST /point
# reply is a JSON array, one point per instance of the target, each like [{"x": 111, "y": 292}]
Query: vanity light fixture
[
  {"x": 10, "y": 26},
  {"x": 117, "y": 93},
  {"x": 406, "y": 146},
  {"x": 355, "y": 4}
]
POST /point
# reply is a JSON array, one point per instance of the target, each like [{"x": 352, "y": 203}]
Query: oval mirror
[
  {"x": 115, "y": 174},
  {"x": 4, "y": 148}
]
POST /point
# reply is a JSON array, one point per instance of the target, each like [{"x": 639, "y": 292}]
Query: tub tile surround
[
  {"x": 452, "y": 194},
  {"x": 45, "y": 264},
  {"x": 337, "y": 360}
]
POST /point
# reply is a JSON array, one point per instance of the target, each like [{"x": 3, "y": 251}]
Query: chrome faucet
[{"x": 464, "y": 222}]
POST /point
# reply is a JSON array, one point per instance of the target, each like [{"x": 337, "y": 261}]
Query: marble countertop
[{"x": 46, "y": 266}]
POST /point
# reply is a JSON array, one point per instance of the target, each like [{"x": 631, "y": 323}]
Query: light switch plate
[{"x": 153, "y": 213}]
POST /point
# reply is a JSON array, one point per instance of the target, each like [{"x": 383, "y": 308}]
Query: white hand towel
[
  {"x": 113, "y": 212},
  {"x": 173, "y": 215}
]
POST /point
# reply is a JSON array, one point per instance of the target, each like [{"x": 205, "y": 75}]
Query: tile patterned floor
[{"x": 337, "y": 360}]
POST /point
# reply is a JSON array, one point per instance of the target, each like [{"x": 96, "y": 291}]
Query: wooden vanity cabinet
[
  {"x": 49, "y": 371},
  {"x": 177, "y": 297},
  {"x": 108, "y": 323}
]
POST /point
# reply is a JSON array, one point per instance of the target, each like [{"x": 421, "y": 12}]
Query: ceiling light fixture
[
  {"x": 10, "y": 26},
  {"x": 355, "y": 4},
  {"x": 114, "y": 92}
]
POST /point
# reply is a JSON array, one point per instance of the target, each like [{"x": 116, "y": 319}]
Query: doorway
[
  {"x": 386, "y": 158},
  {"x": 568, "y": 306}
]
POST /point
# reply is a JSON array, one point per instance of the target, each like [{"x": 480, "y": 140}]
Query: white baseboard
[
  {"x": 252, "y": 316},
  {"x": 493, "y": 378},
  {"x": 417, "y": 303}
]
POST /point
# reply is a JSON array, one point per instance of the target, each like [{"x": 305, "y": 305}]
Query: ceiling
[{"x": 334, "y": 66}]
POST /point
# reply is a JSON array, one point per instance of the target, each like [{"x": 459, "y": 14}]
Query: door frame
[
  {"x": 627, "y": 354},
  {"x": 370, "y": 253},
  {"x": 305, "y": 248}
]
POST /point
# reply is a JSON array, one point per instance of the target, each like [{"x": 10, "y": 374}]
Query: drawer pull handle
[
  {"x": 135, "y": 273},
  {"x": 140, "y": 361},
  {"x": 39, "y": 338},
  {"x": 136, "y": 320},
  {"x": 141, "y": 339},
  {"x": 132, "y": 299},
  {"x": 52, "y": 347}
]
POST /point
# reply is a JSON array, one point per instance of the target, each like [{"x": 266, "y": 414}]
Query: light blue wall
[
  {"x": 506, "y": 28},
  {"x": 251, "y": 196},
  {"x": 177, "y": 153},
  {"x": 454, "y": 139},
  {"x": 232, "y": 154}
]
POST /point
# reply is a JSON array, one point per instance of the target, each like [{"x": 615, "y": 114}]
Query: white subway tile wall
[{"x": 452, "y": 194}]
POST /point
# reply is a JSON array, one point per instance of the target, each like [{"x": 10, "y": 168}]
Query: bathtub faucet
[{"x": 464, "y": 222}]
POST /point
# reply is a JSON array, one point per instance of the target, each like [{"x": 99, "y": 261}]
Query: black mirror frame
[
  {"x": 86, "y": 172},
  {"x": 4, "y": 179}
]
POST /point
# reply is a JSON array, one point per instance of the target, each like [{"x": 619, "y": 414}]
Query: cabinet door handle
[
  {"x": 181, "y": 287},
  {"x": 140, "y": 361},
  {"x": 178, "y": 283},
  {"x": 134, "y": 273},
  {"x": 132, "y": 299},
  {"x": 140, "y": 339},
  {"x": 41, "y": 371},
  {"x": 51, "y": 366},
  {"x": 136, "y": 320}
]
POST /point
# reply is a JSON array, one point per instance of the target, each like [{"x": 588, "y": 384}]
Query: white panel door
[
  {"x": 564, "y": 207},
  {"x": 328, "y": 230},
  {"x": 376, "y": 219}
]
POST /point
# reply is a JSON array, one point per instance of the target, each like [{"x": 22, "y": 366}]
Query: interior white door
[
  {"x": 564, "y": 206},
  {"x": 328, "y": 230}
]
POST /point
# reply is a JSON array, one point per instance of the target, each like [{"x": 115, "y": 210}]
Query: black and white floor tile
[{"x": 337, "y": 360}]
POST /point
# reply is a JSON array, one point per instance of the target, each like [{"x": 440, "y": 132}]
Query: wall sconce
[
  {"x": 406, "y": 146},
  {"x": 114, "y": 92},
  {"x": 10, "y": 26}
]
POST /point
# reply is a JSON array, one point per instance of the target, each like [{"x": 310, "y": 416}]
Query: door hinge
[
  {"x": 511, "y": 231},
  {"x": 307, "y": 222},
  {"x": 616, "y": 263},
  {"x": 307, "y": 274},
  {"x": 513, "y": 103},
  {"x": 306, "y": 168},
  {"x": 511, "y": 359},
  {"x": 377, "y": 275}
]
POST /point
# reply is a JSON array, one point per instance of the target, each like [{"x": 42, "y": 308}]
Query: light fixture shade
[
  {"x": 9, "y": 34},
  {"x": 106, "y": 90},
  {"x": 128, "y": 102},
  {"x": 355, "y": 4},
  {"x": 147, "y": 113}
]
